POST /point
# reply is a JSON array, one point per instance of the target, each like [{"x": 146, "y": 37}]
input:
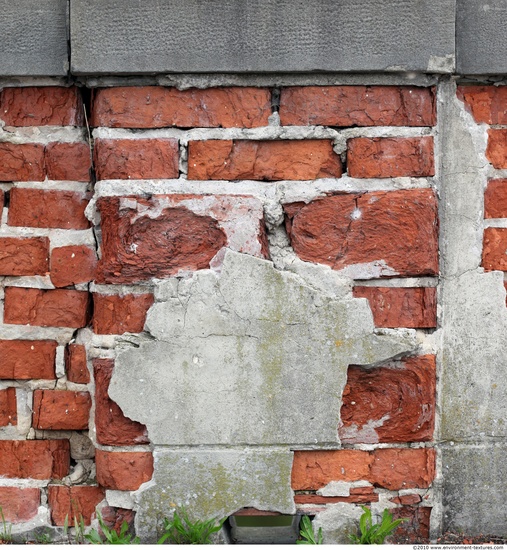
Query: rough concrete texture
[
  {"x": 474, "y": 488},
  {"x": 474, "y": 320},
  {"x": 213, "y": 483},
  {"x": 262, "y": 36},
  {"x": 338, "y": 521},
  {"x": 34, "y": 38},
  {"x": 481, "y": 42},
  {"x": 235, "y": 353}
]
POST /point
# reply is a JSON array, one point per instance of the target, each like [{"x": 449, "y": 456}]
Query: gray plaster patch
[
  {"x": 338, "y": 521},
  {"x": 251, "y": 356},
  {"x": 474, "y": 489},
  {"x": 214, "y": 483}
]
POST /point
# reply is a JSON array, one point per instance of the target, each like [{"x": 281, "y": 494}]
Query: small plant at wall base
[
  {"x": 110, "y": 536},
  {"x": 371, "y": 533},
  {"x": 6, "y": 528},
  {"x": 181, "y": 530},
  {"x": 306, "y": 533}
]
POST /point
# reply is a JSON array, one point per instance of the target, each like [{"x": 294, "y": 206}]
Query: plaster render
[{"x": 235, "y": 352}]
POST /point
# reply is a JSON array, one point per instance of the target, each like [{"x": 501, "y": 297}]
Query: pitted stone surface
[
  {"x": 214, "y": 483},
  {"x": 253, "y": 356}
]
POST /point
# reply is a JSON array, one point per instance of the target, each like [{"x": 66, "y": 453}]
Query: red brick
[
  {"x": 392, "y": 469},
  {"x": 393, "y": 403},
  {"x": 486, "y": 103},
  {"x": 262, "y": 160},
  {"x": 68, "y": 161},
  {"x": 47, "y": 208},
  {"x": 27, "y": 359},
  {"x": 358, "y": 495},
  {"x": 35, "y": 459},
  {"x": 390, "y": 157},
  {"x": 358, "y": 106},
  {"x": 61, "y": 410},
  {"x": 495, "y": 199},
  {"x": 73, "y": 502},
  {"x": 41, "y": 106},
  {"x": 158, "y": 107},
  {"x": 24, "y": 256},
  {"x": 75, "y": 364},
  {"x": 114, "y": 517},
  {"x": 46, "y": 308},
  {"x": 22, "y": 162},
  {"x": 136, "y": 158},
  {"x": 8, "y": 407},
  {"x": 395, "y": 230},
  {"x": 494, "y": 249},
  {"x": 71, "y": 265},
  {"x": 115, "y": 314},
  {"x": 496, "y": 151},
  {"x": 416, "y": 528},
  {"x": 123, "y": 471},
  {"x": 112, "y": 426},
  {"x": 175, "y": 239},
  {"x": 401, "y": 307},
  {"x": 406, "y": 499},
  {"x": 19, "y": 505}
]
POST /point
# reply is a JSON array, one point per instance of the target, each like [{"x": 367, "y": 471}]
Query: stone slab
[
  {"x": 474, "y": 488},
  {"x": 149, "y": 36},
  {"x": 213, "y": 484},
  {"x": 34, "y": 38},
  {"x": 252, "y": 356},
  {"x": 481, "y": 40}
]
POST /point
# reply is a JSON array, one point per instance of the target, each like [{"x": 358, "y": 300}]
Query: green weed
[
  {"x": 371, "y": 533},
  {"x": 306, "y": 533},
  {"x": 110, "y": 535},
  {"x": 5, "y": 528},
  {"x": 181, "y": 530}
]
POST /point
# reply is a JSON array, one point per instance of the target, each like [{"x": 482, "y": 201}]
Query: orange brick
[
  {"x": 35, "y": 459},
  {"x": 24, "y": 256},
  {"x": 75, "y": 364},
  {"x": 123, "y": 471},
  {"x": 18, "y": 504},
  {"x": 71, "y": 265},
  {"x": 114, "y": 314},
  {"x": 496, "y": 151},
  {"x": 73, "y": 502},
  {"x": 68, "y": 161},
  {"x": 22, "y": 162},
  {"x": 486, "y": 103},
  {"x": 494, "y": 249},
  {"x": 8, "y": 407},
  {"x": 495, "y": 199},
  {"x": 61, "y": 410},
  {"x": 27, "y": 359}
]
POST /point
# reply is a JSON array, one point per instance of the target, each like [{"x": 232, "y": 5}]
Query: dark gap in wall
[
  {"x": 87, "y": 95},
  {"x": 275, "y": 100},
  {"x": 7, "y": 199}
]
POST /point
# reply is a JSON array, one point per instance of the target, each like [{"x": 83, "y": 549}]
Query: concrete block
[
  {"x": 474, "y": 488},
  {"x": 213, "y": 484},
  {"x": 149, "y": 36},
  {"x": 481, "y": 41},
  {"x": 242, "y": 358},
  {"x": 34, "y": 38}
]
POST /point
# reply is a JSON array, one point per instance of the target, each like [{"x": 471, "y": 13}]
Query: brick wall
[{"x": 342, "y": 176}]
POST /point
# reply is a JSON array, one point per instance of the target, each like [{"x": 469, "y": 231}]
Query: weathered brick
[
  {"x": 406, "y": 500},
  {"x": 136, "y": 158},
  {"x": 112, "y": 426},
  {"x": 137, "y": 246},
  {"x": 71, "y": 265},
  {"x": 401, "y": 307},
  {"x": 123, "y": 471},
  {"x": 35, "y": 459},
  {"x": 115, "y": 314},
  {"x": 22, "y": 162},
  {"x": 392, "y": 469},
  {"x": 392, "y": 403},
  {"x": 47, "y": 208},
  {"x": 24, "y": 256},
  {"x": 73, "y": 502},
  {"x": 494, "y": 249},
  {"x": 262, "y": 160},
  {"x": 8, "y": 407},
  {"x": 391, "y": 232},
  {"x": 61, "y": 410},
  {"x": 416, "y": 527},
  {"x": 41, "y": 106},
  {"x": 68, "y": 161},
  {"x": 159, "y": 107},
  {"x": 115, "y": 517},
  {"x": 486, "y": 103},
  {"x": 18, "y": 504},
  {"x": 27, "y": 359},
  {"x": 46, "y": 308},
  {"x": 390, "y": 157},
  {"x": 358, "y": 106},
  {"x": 358, "y": 495},
  {"x": 75, "y": 364},
  {"x": 496, "y": 150},
  {"x": 495, "y": 199}
]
